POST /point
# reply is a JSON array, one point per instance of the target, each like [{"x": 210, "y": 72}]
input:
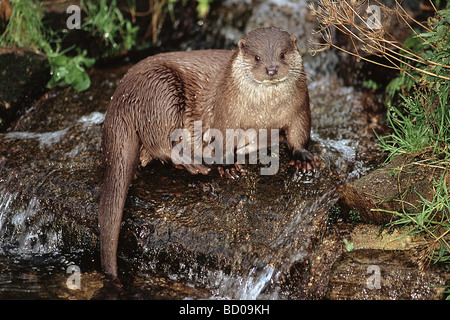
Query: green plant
[
  {"x": 430, "y": 218},
  {"x": 70, "y": 70},
  {"x": 420, "y": 120},
  {"x": 203, "y": 7},
  {"x": 26, "y": 29},
  {"x": 349, "y": 246},
  {"x": 419, "y": 124},
  {"x": 418, "y": 102},
  {"x": 334, "y": 214},
  {"x": 370, "y": 84},
  {"x": 354, "y": 217},
  {"x": 104, "y": 20},
  {"x": 433, "y": 46}
]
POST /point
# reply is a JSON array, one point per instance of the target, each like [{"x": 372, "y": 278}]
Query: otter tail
[{"x": 120, "y": 144}]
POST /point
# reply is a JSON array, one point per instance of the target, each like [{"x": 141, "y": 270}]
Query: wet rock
[
  {"x": 84, "y": 288},
  {"x": 23, "y": 77},
  {"x": 383, "y": 275},
  {"x": 370, "y": 236},
  {"x": 309, "y": 280},
  {"x": 248, "y": 229},
  {"x": 243, "y": 239},
  {"x": 51, "y": 173},
  {"x": 227, "y": 238},
  {"x": 380, "y": 192}
]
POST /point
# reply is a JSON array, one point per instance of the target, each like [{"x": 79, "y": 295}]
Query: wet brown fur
[{"x": 224, "y": 89}]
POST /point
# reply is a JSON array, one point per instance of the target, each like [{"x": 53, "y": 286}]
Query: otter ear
[
  {"x": 294, "y": 39},
  {"x": 241, "y": 44}
]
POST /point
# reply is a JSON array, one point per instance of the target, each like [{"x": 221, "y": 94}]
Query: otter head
[{"x": 270, "y": 55}]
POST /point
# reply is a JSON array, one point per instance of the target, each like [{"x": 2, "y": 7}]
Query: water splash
[
  {"x": 248, "y": 287},
  {"x": 46, "y": 139},
  {"x": 255, "y": 283},
  {"x": 92, "y": 119},
  {"x": 23, "y": 229}
]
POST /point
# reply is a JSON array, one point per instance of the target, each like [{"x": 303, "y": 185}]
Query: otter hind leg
[{"x": 156, "y": 136}]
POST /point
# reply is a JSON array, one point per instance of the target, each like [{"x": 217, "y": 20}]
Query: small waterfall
[
  {"x": 247, "y": 287},
  {"x": 24, "y": 230},
  {"x": 255, "y": 283}
]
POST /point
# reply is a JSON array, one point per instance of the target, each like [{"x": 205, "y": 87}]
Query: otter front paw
[
  {"x": 231, "y": 171},
  {"x": 305, "y": 161}
]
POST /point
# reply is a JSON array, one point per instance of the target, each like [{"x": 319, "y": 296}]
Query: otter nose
[{"x": 272, "y": 70}]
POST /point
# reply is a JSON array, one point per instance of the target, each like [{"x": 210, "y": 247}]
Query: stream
[{"x": 182, "y": 236}]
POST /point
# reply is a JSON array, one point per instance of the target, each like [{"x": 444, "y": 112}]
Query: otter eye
[
  {"x": 257, "y": 58},
  {"x": 281, "y": 55}
]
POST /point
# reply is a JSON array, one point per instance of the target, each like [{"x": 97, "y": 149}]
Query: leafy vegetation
[
  {"x": 434, "y": 47},
  {"x": 354, "y": 217},
  {"x": 26, "y": 29},
  {"x": 67, "y": 70},
  {"x": 419, "y": 115},
  {"x": 335, "y": 214},
  {"x": 105, "y": 21},
  {"x": 417, "y": 100},
  {"x": 102, "y": 20},
  {"x": 349, "y": 246}
]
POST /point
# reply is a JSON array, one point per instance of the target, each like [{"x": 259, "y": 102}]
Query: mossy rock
[{"x": 397, "y": 187}]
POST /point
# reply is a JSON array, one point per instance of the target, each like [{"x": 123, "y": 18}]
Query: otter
[{"x": 260, "y": 84}]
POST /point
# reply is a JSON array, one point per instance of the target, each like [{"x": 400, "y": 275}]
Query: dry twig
[{"x": 367, "y": 33}]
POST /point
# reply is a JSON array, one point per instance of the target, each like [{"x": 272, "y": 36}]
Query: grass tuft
[{"x": 418, "y": 103}]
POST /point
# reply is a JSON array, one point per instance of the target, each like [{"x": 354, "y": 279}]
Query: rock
[
  {"x": 50, "y": 170},
  {"x": 370, "y": 236},
  {"x": 242, "y": 239},
  {"x": 369, "y": 274},
  {"x": 227, "y": 238},
  {"x": 209, "y": 231},
  {"x": 382, "y": 189},
  {"x": 23, "y": 77}
]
